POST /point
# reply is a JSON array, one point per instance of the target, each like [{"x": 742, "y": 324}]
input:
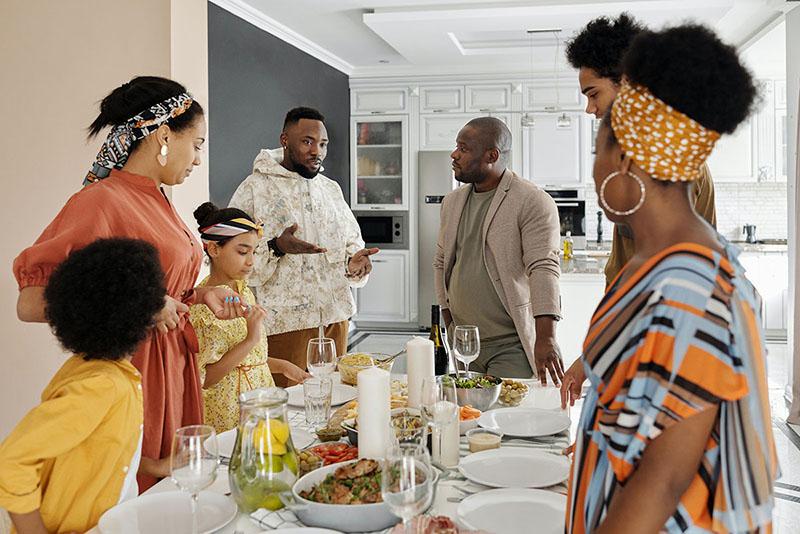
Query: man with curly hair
[
  {"x": 76, "y": 454},
  {"x": 597, "y": 51}
]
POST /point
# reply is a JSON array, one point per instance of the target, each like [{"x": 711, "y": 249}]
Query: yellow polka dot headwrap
[{"x": 661, "y": 140}]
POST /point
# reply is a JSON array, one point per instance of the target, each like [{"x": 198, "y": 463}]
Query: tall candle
[
  {"x": 419, "y": 354},
  {"x": 374, "y": 412}
]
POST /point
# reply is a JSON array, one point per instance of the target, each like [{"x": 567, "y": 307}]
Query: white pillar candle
[
  {"x": 374, "y": 412},
  {"x": 419, "y": 358}
]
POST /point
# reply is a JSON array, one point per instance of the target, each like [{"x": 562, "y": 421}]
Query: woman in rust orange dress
[{"x": 157, "y": 135}]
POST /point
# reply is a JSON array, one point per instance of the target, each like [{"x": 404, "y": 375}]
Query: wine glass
[
  {"x": 439, "y": 408},
  {"x": 193, "y": 462},
  {"x": 321, "y": 356},
  {"x": 407, "y": 481},
  {"x": 466, "y": 344}
]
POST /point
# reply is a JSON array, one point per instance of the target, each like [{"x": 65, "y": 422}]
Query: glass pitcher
[{"x": 264, "y": 462}]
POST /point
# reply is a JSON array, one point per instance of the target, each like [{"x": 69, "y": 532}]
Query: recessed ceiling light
[{"x": 384, "y": 61}]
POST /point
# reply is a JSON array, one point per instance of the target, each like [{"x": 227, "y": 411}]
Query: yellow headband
[{"x": 664, "y": 142}]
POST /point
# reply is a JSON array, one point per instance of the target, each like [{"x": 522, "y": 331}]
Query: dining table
[{"x": 451, "y": 488}]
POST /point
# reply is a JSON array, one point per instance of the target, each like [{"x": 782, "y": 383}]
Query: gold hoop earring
[
  {"x": 604, "y": 202},
  {"x": 162, "y": 156}
]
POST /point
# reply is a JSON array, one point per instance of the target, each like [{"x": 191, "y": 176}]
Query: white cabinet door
[
  {"x": 580, "y": 295},
  {"x": 439, "y": 132},
  {"x": 382, "y": 100},
  {"x": 769, "y": 273},
  {"x": 385, "y": 297},
  {"x": 440, "y": 99},
  {"x": 486, "y": 98},
  {"x": 734, "y": 158},
  {"x": 551, "y": 149},
  {"x": 379, "y": 162},
  {"x": 537, "y": 97}
]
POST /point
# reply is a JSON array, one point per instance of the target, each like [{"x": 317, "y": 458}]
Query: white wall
[
  {"x": 58, "y": 60},
  {"x": 793, "y": 99}
]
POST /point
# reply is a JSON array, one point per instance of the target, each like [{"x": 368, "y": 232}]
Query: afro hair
[
  {"x": 601, "y": 45},
  {"x": 692, "y": 70},
  {"x": 101, "y": 300}
]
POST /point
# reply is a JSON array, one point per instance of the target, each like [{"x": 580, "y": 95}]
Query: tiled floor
[{"x": 787, "y": 439}]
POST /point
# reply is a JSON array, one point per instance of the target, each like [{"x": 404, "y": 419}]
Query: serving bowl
[
  {"x": 481, "y": 398},
  {"x": 348, "y": 370}
]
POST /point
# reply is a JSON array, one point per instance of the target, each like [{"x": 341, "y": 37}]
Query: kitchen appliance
[
  {"x": 571, "y": 206},
  {"x": 750, "y": 231},
  {"x": 387, "y": 230},
  {"x": 435, "y": 181}
]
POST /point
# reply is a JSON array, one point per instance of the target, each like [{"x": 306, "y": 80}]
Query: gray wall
[{"x": 254, "y": 78}]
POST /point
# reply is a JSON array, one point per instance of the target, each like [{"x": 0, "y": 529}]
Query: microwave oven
[{"x": 384, "y": 230}]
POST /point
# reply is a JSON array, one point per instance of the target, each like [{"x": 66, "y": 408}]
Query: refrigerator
[{"x": 435, "y": 181}]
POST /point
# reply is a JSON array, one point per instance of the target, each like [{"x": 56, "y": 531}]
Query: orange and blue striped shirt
[{"x": 677, "y": 337}]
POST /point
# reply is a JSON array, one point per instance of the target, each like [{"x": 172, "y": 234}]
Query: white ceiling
[{"x": 411, "y": 37}]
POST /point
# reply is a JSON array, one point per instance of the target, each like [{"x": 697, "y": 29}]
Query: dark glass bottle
[{"x": 440, "y": 359}]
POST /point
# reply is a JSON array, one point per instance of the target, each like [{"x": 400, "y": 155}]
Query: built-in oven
[
  {"x": 571, "y": 206},
  {"x": 387, "y": 230}
]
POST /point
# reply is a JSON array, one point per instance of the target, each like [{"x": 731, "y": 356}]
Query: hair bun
[{"x": 204, "y": 213}]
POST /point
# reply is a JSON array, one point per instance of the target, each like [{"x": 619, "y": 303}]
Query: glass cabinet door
[{"x": 380, "y": 159}]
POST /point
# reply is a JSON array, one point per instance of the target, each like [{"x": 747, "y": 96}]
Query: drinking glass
[
  {"x": 321, "y": 356},
  {"x": 317, "y": 393},
  {"x": 407, "y": 481},
  {"x": 193, "y": 462},
  {"x": 439, "y": 409},
  {"x": 466, "y": 344}
]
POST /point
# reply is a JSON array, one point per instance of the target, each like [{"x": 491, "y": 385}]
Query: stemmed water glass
[
  {"x": 407, "y": 481},
  {"x": 194, "y": 461},
  {"x": 466, "y": 344},
  {"x": 439, "y": 407},
  {"x": 321, "y": 356}
]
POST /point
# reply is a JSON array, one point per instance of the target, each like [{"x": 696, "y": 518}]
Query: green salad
[{"x": 485, "y": 381}]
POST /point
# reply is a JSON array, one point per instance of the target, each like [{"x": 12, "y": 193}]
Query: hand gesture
[
  {"x": 168, "y": 318},
  {"x": 360, "y": 264},
  {"x": 223, "y": 302},
  {"x": 255, "y": 322},
  {"x": 289, "y": 244},
  {"x": 572, "y": 383},
  {"x": 547, "y": 356}
]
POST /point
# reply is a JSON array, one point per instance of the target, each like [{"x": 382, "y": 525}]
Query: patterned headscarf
[
  {"x": 116, "y": 148},
  {"x": 228, "y": 229},
  {"x": 664, "y": 142}
]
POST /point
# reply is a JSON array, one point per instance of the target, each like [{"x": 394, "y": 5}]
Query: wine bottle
[{"x": 440, "y": 359}]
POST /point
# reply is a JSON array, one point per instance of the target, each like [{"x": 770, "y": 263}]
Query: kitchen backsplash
[{"x": 761, "y": 204}]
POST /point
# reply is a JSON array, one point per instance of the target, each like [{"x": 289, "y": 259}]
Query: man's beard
[{"x": 299, "y": 168}]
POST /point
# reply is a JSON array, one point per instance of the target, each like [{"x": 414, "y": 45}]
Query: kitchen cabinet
[
  {"x": 385, "y": 297},
  {"x": 551, "y": 149},
  {"x": 580, "y": 295},
  {"x": 734, "y": 156},
  {"x": 769, "y": 273},
  {"x": 441, "y": 99},
  {"x": 439, "y": 131},
  {"x": 368, "y": 100},
  {"x": 551, "y": 97},
  {"x": 379, "y": 163},
  {"x": 487, "y": 98}
]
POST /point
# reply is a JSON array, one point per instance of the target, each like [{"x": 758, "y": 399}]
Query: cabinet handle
[
  {"x": 486, "y": 110},
  {"x": 439, "y": 110},
  {"x": 376, "y": 112},
  {"x": 378, "y": 261}
]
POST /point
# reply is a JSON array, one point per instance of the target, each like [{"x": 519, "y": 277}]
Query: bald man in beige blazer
[{"x": 497, "y": 258}]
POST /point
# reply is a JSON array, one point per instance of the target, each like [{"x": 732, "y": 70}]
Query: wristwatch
[{"x": 273, "y": 246}]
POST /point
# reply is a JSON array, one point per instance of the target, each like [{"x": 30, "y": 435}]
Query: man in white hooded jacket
[{"x": 312, "y": 252}]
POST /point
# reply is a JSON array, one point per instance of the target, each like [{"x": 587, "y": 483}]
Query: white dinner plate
[
  {"x": 525, "y": 422},
  {"x": 167, "y": 513},
  {"x": 226, "y": 440},
  {"x": 514, "y": 511},
  {"x": 515, "y": 467},
  {"x": 341, "y": 393}
]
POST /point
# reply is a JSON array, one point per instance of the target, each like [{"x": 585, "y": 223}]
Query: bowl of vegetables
[{"x": 476, "y": 389}]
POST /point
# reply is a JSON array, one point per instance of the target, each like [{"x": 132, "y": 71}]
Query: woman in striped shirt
[{"x": 675, "y": 433}]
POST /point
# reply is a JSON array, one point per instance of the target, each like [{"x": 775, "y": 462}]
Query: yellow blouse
[
  {"x": 68, "y": 457},
  {"x": 216, "y": 337}
]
